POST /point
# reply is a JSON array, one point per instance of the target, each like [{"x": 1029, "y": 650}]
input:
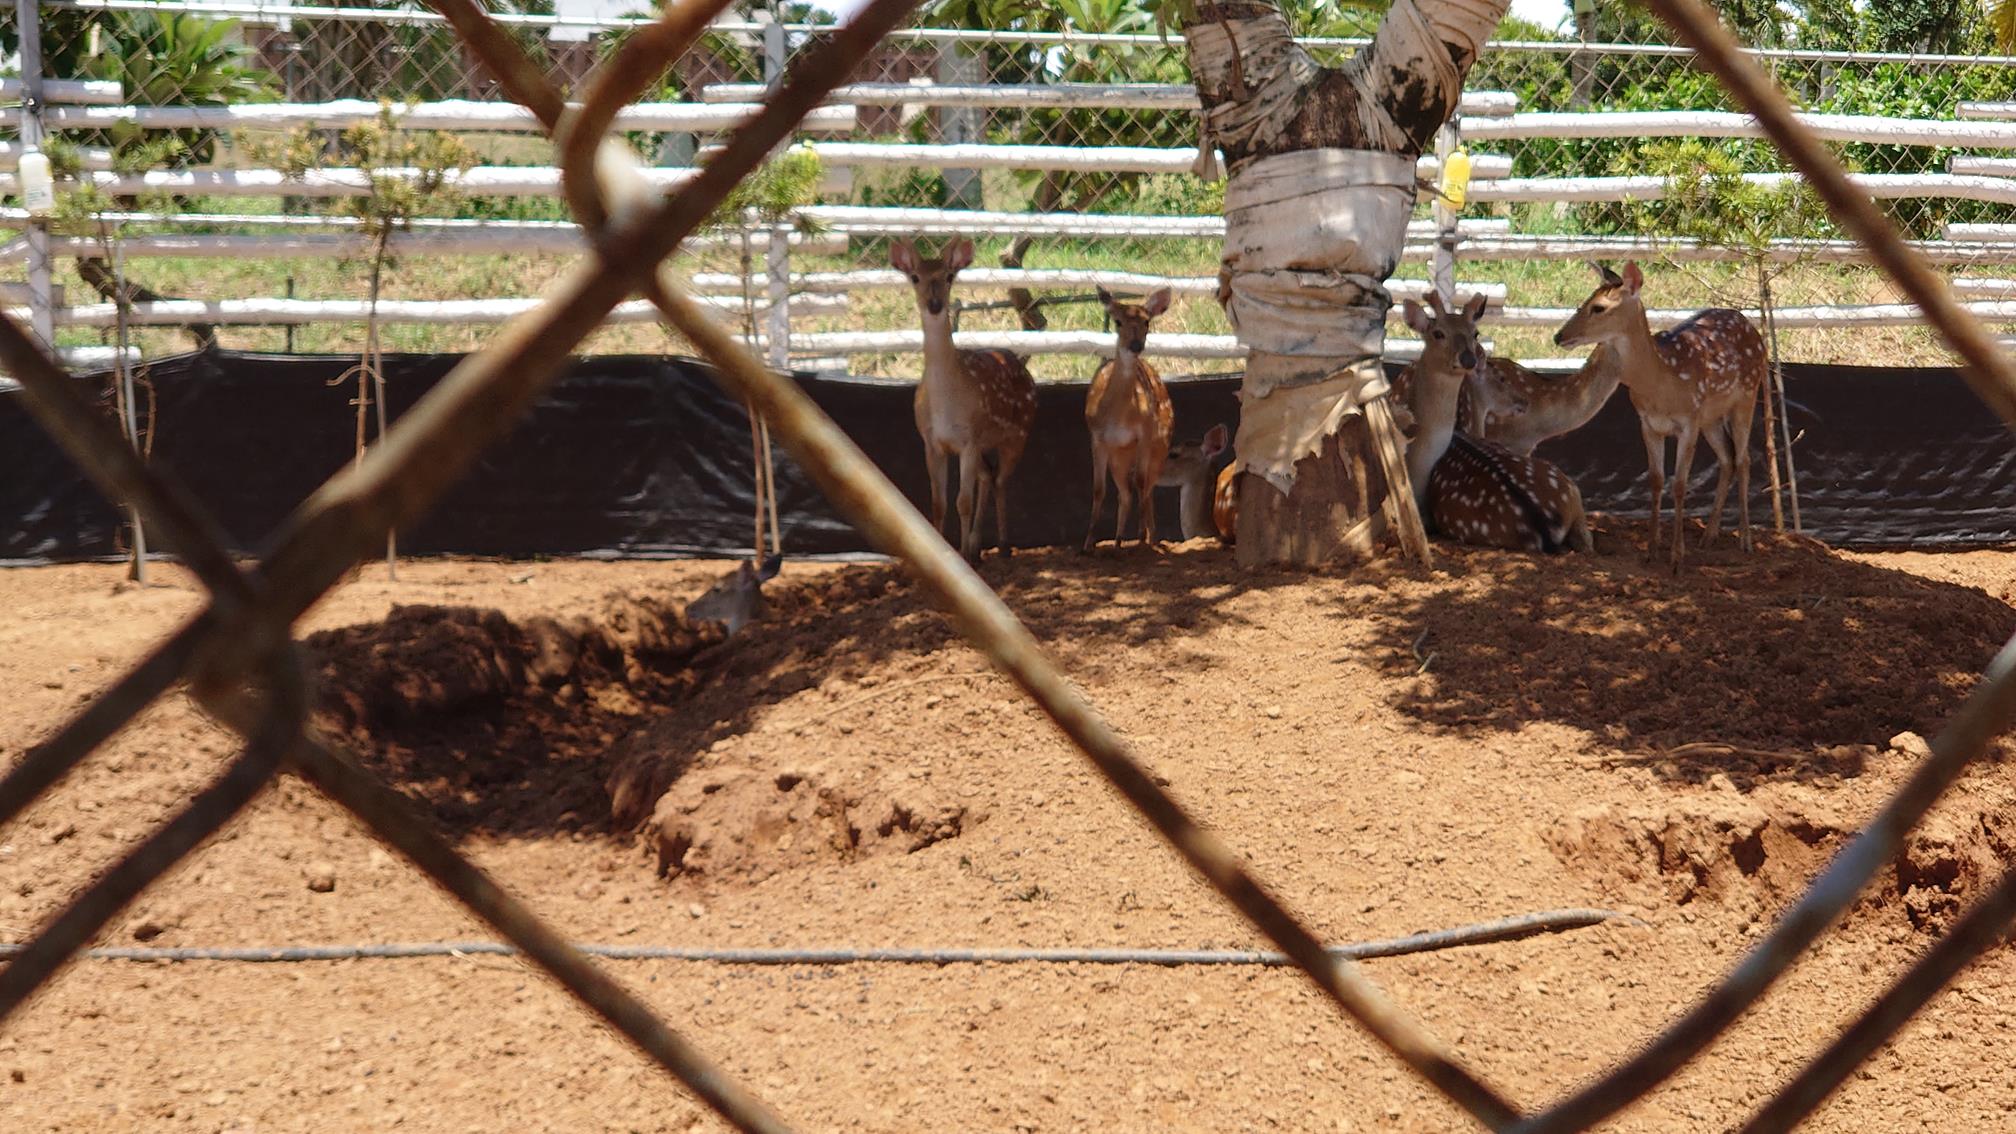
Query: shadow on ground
[{"x": 1783, "y": 665}]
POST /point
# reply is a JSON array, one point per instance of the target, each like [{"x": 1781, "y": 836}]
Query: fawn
[
  {"x": 969, "y": 404},
  {"x": 1206, "y": 505},
  {"x": 1475, "y": 491},
  {"x": 1699, "y": 379},
  {"x": 1128, "y": 414}
]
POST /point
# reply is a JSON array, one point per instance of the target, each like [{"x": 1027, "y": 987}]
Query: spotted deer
[
  {"x": 1516, "y": 407},
  {"x": 1192, "y": 470},
  {"x": 1127, "y": 411},
  {"x": 1474, "y": 491},
  {"x": 1225, "y": 504},
  {"x": 1698, "y": 380},
  {"x": 970, "y": 403}
]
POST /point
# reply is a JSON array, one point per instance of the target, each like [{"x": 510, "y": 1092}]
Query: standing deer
[
  {"x": 970, "y": 403},
  {"x": 1476, "y": 491},
  {"x": 1130, "y": 419},
  {"x": 1699, "y": 379},
  {"x": 1191, "y": 470}
]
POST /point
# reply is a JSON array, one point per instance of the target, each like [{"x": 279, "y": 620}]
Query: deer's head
[
  {"x": 931, "y": 279},
  {"x": 1192, "y": 459},
  {"x": 1608, "y": 311},
  {"x": 1450, "y": 352},
  {"x": 1130, "y": 320}
]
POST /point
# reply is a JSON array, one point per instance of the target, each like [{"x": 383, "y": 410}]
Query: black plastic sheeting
[{"x": 645, "y": 456}]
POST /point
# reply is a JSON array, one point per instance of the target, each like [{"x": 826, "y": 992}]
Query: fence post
[
  {"x": 961, "y": 124},
  {"x": 1443, "y": 270},
  {"x": 777, "y": 254},
  {"x": 777, "y": 265},
  {"x": 41, "y": 300},
  {"x": 775, "y": 55}
]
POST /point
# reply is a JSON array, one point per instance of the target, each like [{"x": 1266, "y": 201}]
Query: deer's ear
[
  {"x": 1416, "y": 317},
  {"x": 1474, "y": 310},
  {"x": 1216, "y": 439},
  {"x": 1105, "y": 298},
  {"x": 1633, "y": 278},
  {"x": 1158, "y": 302},
  {"x": 903, "y": 256},
  {"x": 959, "y": 254}
]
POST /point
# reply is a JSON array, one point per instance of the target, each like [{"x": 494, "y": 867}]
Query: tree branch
[{"x": 98, "y": 274}]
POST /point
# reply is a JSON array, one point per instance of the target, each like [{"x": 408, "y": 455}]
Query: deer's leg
[
  {"x": 1123, "y": 483},
  {"x": 934, "y": 463},
  {"x": 1739, "y": 437},
  {"x": 1718, "y": 440},
  {"x": 1098, "y": 495},
  {"x": 1655, "y": 458},
  {"x": 984, "y": 493},
  {"x": 1150, "y": 471},
  {"x": 969, "y": 481},
  {"x": 1144, "y": 490},
  {"x": 1683, "y": 463},
  {"x": 1005, "y": 462}
]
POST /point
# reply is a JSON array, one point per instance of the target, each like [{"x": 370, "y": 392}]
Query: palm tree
[{"x": 1304, "y": 145}]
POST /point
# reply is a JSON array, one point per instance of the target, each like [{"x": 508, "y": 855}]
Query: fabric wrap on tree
[
  {"x": 1347, "y": 210},
  {"x": 1313, "y": 233}
]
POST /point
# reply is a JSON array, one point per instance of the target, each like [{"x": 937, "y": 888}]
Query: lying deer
[
  {"x": 970, "y": 403},
  {"x": 1130, "y": 419},
  {"x": 1699, "y": 379},
  {"x": 1206, "y": 504},
  {"x": 1474, "y": 491}
]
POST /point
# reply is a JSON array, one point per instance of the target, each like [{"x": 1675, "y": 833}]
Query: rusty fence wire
[{"x": 240, "y": 663}]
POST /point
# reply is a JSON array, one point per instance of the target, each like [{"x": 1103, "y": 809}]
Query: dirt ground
[{"x": 1393, "y": 752}]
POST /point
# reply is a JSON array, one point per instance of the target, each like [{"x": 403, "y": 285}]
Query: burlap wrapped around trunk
[{"x": 1313, "y": 232}]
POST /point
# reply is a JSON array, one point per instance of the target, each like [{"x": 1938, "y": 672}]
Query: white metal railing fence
[{"x": 883, "y": 129}]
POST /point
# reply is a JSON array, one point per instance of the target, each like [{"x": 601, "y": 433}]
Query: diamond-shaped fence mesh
[{"x": 237, "y": 654}]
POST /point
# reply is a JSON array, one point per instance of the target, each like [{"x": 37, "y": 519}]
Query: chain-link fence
[
  {"x": 1048, "y": 126},
  {"x": 239, "y": 657},
  {"x": 178, "y": 107}
]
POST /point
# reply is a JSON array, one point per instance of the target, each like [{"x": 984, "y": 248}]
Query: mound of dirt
[
  {"x": 498, "y": 723},
  {"x": 739, "y": 821},
  {"x": 1796, "y": 647},
  {"x": 1786, "y": 669},
  {"x": 1756, "y": 851},
  {"x": 426, "y": 661}
]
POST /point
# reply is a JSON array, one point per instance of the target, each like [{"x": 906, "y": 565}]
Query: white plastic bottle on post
[{"x": 38, "y": 188}]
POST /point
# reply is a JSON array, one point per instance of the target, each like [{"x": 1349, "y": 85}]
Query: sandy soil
[{"x": 1393, "y": 753}]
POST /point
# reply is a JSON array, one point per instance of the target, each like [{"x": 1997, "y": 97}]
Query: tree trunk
[
  {"x": 1332, "y": 521},
  {"x": 1321, "y": 187}
]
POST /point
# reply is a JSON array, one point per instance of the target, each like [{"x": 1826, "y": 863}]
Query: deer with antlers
[
  {"x": 1129, "y": 416},
  {"x": 1697, "y": 381},
  {"x": 970, "y": 404},
  {"x": 1470, "y": 490}
]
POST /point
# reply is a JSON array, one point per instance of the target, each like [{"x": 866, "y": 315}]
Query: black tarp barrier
[{"x": 644, "y": 456}]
